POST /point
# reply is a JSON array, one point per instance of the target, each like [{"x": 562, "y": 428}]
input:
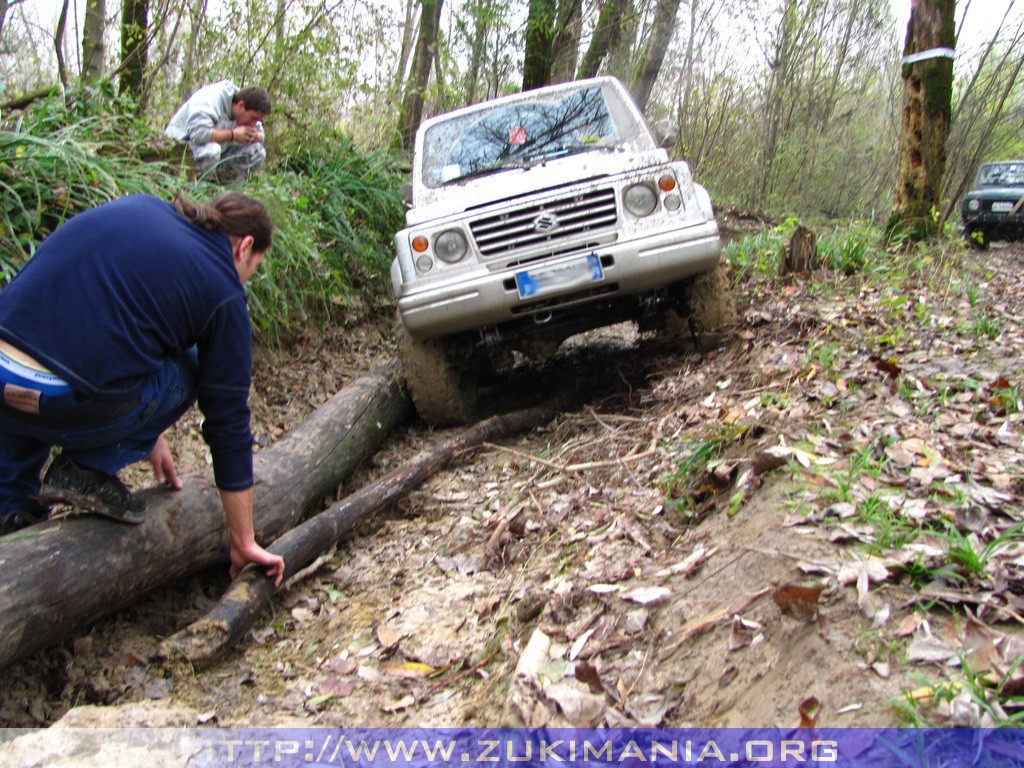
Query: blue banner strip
[{"x": 524, "y": 748}]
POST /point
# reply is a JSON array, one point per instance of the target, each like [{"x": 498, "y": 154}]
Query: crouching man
[
  {"x": 126, "y": 315},
  {"x": 224, "y": 129}
]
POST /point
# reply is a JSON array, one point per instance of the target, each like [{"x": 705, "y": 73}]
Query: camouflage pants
[{"x": 227, "y": 162}]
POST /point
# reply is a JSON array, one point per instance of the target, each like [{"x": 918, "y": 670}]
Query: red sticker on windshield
[{"x": 517, "y": 136}]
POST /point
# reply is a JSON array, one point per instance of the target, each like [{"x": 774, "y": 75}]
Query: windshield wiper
[
  {"x": 553, "y": 153},
  {"x": 505, "y": 166}
]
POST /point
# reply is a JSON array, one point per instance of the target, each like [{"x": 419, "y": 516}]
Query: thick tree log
[
  {"x": 63, "y": 574},
  {"x": 251, "y": 593},
  {"x": 22, "y": 101}
]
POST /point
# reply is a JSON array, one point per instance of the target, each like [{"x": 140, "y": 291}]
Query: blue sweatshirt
[{"x": 119, "y": 288}]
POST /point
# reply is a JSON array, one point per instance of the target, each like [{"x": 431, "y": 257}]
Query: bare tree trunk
[
  {"x": 58, "y": 43},
  {"x": 76, "y": 570},
  {"x": 606, "y": 31},
  {"x": 134, "y": 47},
  {"x": 778, "y": 82},
  {"x": 540, "y": 32},
  {"x": 927, "y": 103},
  {"x": 197, "y": 14},
  {"x": 653, "y": 56},
  {"x": 408, "y": 33},
  {"x": 566, "y": 43},
  {"x": 92, "y": 40},
  {"x": 411, "y": 112},
  {"x": 5, "y": 6}
]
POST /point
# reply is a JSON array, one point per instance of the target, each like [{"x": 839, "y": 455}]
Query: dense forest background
[{"x": 789, "y": 107}]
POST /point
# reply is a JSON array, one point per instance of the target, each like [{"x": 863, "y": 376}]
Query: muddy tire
[
  {"x": 710, "y": 309},
  {"x": 443, "y": 391}
]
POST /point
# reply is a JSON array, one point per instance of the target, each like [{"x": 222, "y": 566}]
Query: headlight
[
  {"x": 640, "y": 200},
  {"x": 973, "y": 204},
  {"x": 450, "y": 246}
]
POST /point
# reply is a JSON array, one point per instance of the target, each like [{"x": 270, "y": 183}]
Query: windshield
[
  {"x": 1001, "y": 175},
  {"x": 520, "y": 135}
]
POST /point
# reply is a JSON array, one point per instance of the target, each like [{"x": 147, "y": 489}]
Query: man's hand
[
  {"x": 163, "y": 464},
  {"x": 246, "y": 134},
  {"x": 244, "y": 549},
  {"x": 241, "y": 556}
]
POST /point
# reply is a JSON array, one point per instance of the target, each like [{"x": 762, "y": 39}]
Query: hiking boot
[
  {"x": 90, "y": 490},
  {"x": 15, "y": 521}
]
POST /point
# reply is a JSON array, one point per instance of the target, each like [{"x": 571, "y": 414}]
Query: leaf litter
[{"x": 797, "y": 528}]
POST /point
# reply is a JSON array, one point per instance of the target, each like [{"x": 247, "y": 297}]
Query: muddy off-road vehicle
[{"x": 536, "y": 217}]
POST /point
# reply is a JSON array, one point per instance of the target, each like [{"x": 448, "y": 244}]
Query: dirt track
[{"x": 548, "y": 581}]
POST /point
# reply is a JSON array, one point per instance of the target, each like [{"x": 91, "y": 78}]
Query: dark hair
[
  {"x": 254, "y": 97},
  {"x": 233, "y": 212}
]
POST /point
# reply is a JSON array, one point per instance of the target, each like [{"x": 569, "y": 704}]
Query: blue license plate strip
[{"x": 560, "y": 278}]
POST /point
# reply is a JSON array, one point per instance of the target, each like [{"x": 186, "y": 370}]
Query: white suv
[{"x": 535, "y": 217}]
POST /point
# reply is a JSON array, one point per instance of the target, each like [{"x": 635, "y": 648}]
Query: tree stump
[{"x": 801, "y": 254}]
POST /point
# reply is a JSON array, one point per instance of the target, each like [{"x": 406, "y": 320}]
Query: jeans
[{"x": 108, "y": 446}]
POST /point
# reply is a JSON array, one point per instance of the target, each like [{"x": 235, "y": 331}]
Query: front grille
[{"x": 557, "y": 226}]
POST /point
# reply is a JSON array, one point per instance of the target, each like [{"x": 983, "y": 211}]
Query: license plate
[
  {"x": 1002, "y": 207},
  {"x": 560, "y": 278}
]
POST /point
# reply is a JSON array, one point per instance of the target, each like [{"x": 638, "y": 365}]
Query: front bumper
[
  {"x": 990, "y": 219},
  {"x": 483, "y": 298}
]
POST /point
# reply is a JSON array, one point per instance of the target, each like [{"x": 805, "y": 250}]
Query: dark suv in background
[{"x": 992, "y": 210}]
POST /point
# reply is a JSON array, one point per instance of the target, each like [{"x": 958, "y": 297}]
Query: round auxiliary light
[
  {"x": 640, "y": 200},
  {"x": 667, "y": 183},
  {"x": 420, "y": 244},
  {"x": 424, "y": 263},
  {"x": 974, "y": 204},
  {"x": 672, "y": 202},
  {"x": 450, "y": 245}
]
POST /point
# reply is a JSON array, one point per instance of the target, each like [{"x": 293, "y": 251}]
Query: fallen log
[
  {"x": 251, "y": 593},
  {"x": 66, "y": 573}
]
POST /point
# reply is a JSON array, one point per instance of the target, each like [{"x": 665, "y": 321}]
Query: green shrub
[{"x": 335, "y": 206}]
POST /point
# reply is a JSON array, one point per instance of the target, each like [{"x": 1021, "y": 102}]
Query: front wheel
[
  {"x": 443, "y": 387},
  {"x": 705, "y": 308}
]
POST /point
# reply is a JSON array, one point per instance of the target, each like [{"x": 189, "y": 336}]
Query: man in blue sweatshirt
[{"x": 126, "y": 315}]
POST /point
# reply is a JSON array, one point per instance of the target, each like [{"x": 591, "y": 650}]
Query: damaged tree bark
[
  {"x": 251, "y": 593},
  {"x": 64, "y": 574}
]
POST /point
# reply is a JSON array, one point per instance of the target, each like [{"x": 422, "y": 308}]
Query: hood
[
  {"x": 996, "y": 193},
  {"x": 458, "y": 197}
]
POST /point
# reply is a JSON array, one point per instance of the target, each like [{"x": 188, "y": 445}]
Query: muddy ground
[{"x": 760, "y": 535}]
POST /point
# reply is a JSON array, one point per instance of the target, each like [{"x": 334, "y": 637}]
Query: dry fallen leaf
[
  {"x": 809, "y": 709},
  {"x": 407, "y": 669},
  {"x": 797, "y": 600},
  {"x": 646, "y": 595},
  {"x": 387, "y": 637},
  {"x": 587, "y": 674}
]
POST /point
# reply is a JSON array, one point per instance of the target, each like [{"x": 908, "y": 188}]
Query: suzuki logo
[{"x": 546, "y": 222}]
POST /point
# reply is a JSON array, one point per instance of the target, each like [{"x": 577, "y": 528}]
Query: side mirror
[
  {"x": 664, "y": 133},
  {"x": 406, "y": 191}
]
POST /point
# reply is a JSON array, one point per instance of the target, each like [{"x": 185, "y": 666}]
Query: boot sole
[{"x": 85, "y": 504}]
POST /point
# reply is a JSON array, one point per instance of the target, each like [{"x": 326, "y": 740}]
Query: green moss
[{"x": 937, "y": 81}]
